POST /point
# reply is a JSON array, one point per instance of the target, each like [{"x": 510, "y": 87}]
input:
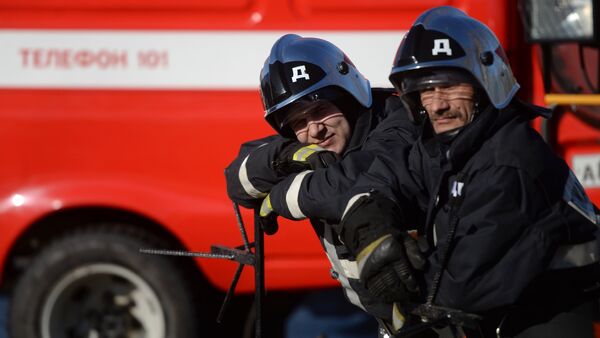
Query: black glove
[
  {"x": 268, "y": 217},
  {"x": 269, "y": 224},
  {"x": 387, "y": 256},
  {"x": 297, "y": 157},
  {"x": 386, "y": 268}
]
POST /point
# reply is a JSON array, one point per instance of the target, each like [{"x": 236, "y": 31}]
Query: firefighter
[
  {"x": 330, "y": 126},
  {"x": 511, "y": 233}
]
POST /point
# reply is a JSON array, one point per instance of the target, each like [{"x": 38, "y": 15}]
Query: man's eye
[
  {"x": 320, "y": 114},
  {"x": 427, "y": 94},
  {"x": 299, "y": 124}
]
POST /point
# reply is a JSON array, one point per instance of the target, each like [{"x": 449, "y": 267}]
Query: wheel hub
[{"x": 102, "y": 301}]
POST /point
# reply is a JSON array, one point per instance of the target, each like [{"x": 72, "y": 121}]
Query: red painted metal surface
[{"x": 161, "y": 153}]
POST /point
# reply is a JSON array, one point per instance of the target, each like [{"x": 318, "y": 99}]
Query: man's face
[
  {"x": 322, "y": 124},
  {"x": 448, "y": 107}
]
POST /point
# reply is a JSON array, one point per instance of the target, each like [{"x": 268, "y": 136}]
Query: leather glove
[
  {"x": 386, "y": 268},
  {"x": 268, "y": 217},
  {"x": 297, "y": 157},
  {"x": 374, "y": 230}
]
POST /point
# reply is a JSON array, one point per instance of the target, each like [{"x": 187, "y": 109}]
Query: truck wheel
[{"x": 95, "y": 283}]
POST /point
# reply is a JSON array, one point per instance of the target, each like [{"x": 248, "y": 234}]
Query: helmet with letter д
[
  {"x": 445, "y": 46},
  {"x": 307, "y": 69}
]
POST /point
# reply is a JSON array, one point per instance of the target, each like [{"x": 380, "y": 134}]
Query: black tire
[{"x": 95, "y": 283}]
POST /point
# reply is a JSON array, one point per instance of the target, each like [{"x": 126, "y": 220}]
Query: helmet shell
[
  {"x": 446, "y": 37},
  {"x": 300, "y": 68}
]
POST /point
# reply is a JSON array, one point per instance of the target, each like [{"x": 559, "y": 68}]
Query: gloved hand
[
  {"x": 386, "y": 268},
  {"x": 373, "y": 229},
  {"x": 297, "y": 157},
  {"x": 268, "y": 217}
]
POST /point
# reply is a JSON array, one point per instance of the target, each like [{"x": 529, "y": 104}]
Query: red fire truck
[{"x": 117, "y": 118}]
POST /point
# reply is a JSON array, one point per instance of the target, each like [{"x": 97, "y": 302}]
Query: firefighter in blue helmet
[
  {"x": 330, "y": 127},
  {"x": 511, "y": 233}
]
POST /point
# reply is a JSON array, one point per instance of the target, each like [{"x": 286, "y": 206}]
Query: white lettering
[
  {"x": 299, "y": 73},
  {"x": 441, "y": 46},
  {"x": 457, "y": 188}
]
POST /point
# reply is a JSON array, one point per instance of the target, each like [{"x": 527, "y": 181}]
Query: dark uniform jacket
[
  {"x": 252, "y": 175},
  {"x": 317, "y": 194},
  {"x": 516, "y": 226},
  {"x": 517, "y": 209}
]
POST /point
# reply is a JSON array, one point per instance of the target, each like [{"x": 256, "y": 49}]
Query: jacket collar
[
  {"x": 473, "y": 136},
  {"x": 360, "y": 130}
]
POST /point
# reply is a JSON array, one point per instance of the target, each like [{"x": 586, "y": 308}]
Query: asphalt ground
[
  {"x": 3, "y": 316},
  {"x": 238, "y": 321}
]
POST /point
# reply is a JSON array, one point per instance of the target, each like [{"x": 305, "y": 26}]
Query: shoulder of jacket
[
  {"x": 518, "y": 145},
  {"x": 388, "y": 105},
  {"x": 252, "y": 145},
  {"x": 381, "y": 97}
]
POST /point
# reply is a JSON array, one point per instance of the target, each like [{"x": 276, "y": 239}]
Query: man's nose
[
  {"x": 439, "y": 104},
  {"x": 315, "y": 129}
]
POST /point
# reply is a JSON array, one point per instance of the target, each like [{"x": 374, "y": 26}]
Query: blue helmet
[
  {"x": 307, "y": 69},
  {"x": 446, "y": 46}
]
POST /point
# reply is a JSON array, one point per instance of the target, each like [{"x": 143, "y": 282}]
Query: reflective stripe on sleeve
[
  {"x": 345, "y": 268},
  {"x": 352, "y": 201},
  {"x": 570, "y": 256},
  {"x": 575, "y": 196},
  {"x": 303, "y": 153},
  {"x": 291, "y": 197},
  {"x": 246, "y": 184},
  {"x": 350, "y": 268}
]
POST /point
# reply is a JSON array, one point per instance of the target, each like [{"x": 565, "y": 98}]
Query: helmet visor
[
  {"x": 412, "y": 83},
  {"x": 428, "y": 78},
  {"x": 461, "y": 91},
  {"x": 281, "y": 118}
]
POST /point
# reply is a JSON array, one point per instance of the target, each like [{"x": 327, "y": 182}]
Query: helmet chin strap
[{"x": 475, "y": 111}]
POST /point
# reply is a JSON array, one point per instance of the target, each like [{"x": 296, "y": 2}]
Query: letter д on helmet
[
  {"x": 446, "y": 37},
  {"x": 299, "y": 67}
]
